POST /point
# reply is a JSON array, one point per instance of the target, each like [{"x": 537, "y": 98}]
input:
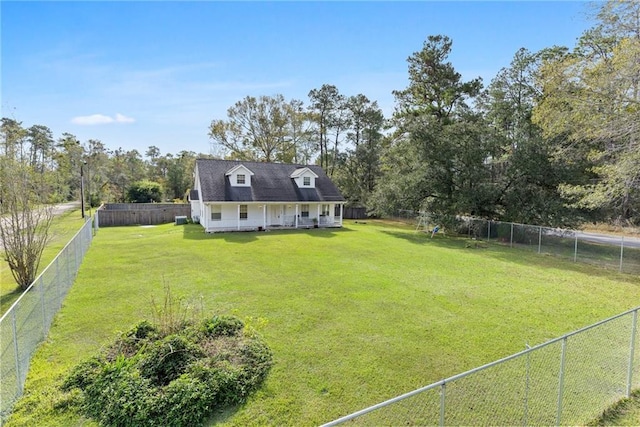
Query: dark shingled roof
[{"x": 271, "y": 182}]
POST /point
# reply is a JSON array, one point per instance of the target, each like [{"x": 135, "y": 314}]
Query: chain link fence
[
  {"x": 566, "y": 381},
  {"x": 611, "y": 252},
  {"x": 404, "y": 215},
  {"x": 26, "y": 324}
]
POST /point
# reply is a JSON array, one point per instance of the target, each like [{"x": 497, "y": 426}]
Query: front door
[{"x": 276, "y": 215}]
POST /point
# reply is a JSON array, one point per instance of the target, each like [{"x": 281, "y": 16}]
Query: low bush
[
  {"x": 222, "y": 326},
  {"x": 150, "y": 378}
]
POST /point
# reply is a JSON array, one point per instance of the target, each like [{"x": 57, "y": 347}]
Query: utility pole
[{"x": 82, "y": 188}]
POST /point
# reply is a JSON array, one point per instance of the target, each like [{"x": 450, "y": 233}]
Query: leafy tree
[
  {"x": 42, "y": 145},
  {"x": 592, "y": 101},
  {"x": 68, "y": 158},
  {"x": 144, "y": 192},
  {"x": 136, "y": 169},
  {"x": 153, "y": 154},
  {"x": 360, "y": 166},
  {"x": 24, "y": 219},
  {"x": 180, "y": 174},
  {"x": 525, "y": 174},
  {"x": 117, "y": 174},
  {"x": 437, "y": 155},
  {"x": 96, "y": 169},
  {"x": 299, "y": 133},
  {"x": 328, "y": 113},
  {"x": 256, "y": 129},
  {"x": 13, "y": 139},
  {"x": 435, "y": 88}
]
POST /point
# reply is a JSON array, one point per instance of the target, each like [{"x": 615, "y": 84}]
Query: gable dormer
[
  {"x": 304, "y": 178},
  {"x": 240, "y": 176}
]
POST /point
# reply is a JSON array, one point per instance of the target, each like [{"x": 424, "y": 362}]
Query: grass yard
[
  {"x": 354, "y": 316},
  {"x": 626, "y": 412},
  {"x": 63, "y": 228}
]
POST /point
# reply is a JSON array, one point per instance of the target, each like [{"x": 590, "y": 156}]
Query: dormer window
[
  {"x": 304, "y": 178},
  {"x": 240, "y": 176}
]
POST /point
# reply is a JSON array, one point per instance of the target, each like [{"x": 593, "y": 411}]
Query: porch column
[
  {"x": 341, "y": 212},
  {"x": 318, "y": 216},
  {"x": 238, "y": 217},
  {"x": 264, "y": 216},
  {"x": 296, "y": 216}
]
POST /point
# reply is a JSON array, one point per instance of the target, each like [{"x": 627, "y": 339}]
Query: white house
[{"x": 231, "y": 195}]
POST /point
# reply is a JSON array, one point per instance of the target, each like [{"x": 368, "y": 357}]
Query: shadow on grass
[
  {"x": 515, "y": 255},
  {"x": 8, "y": 299},
  {"x": 223, "y": 414},
  {"x": 422, "y": 238},
  {"x": 196, "y": 232},
  {"x": 320, "y": 232}
]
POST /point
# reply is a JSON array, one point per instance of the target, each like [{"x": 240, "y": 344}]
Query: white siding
[
  {"x": 277, "y": 215},
  {"x": 230, "y": 219}
]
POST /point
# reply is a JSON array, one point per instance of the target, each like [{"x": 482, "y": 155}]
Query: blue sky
[{"x": 136, "y": 74}]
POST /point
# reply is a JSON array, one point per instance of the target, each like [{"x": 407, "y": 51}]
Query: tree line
[
  {"x": 553, "y": 139},
  {"x": 55, "y": 166}
]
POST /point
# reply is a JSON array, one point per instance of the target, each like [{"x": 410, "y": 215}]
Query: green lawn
[
  {"x": 63, "y": 228},
  {"x": 354, "y": 316}
]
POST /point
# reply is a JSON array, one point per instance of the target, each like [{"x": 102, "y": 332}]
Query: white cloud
[
  {"x": 120, "y": 118},
  {"x": 101, "y": 119}
]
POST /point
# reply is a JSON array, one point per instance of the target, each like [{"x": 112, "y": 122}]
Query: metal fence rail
[
  {"x": 26, "y": 324},
  {"x": 566, "y": 381}
]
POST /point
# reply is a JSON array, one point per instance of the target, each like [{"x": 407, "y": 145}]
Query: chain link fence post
[
  {"x": 76, "y": 254},
  {"x": 621, "y": 252},
  {"x": 632, "y": 348},
  {"x": 563, "y": 354},
  {"x": 68, "y": 262},
  {"x": 511, "y": 241},
  {"x": 16, "y": 351},
  {"x": 443, "y": 393},
  {"x": 44, "y": 308},
  {"x": 539, "y": 239},
  {"x": 57, "y": 282},
  {"x": 526, "y": 387}
]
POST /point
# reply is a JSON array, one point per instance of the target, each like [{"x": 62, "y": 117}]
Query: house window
[
  {"x": 240, "y": 179},
  {"x": 306, "y": 180},
  {"x": 325, "y": 210},
  {"x": 304, "y": 211},
  {"x": 243, "y": 211},
  {"x": 216, "y": 213}
]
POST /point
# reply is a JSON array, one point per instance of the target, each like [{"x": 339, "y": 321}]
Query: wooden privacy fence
[
  {"x": 354, "y": 213},
  {"x": 117, "y": 214}
]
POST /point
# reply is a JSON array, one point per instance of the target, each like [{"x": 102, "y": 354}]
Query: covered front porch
[{"x": 266, "y": 216}]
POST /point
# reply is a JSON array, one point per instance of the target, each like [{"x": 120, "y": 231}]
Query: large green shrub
[
  {"x": 152, "y": 378},
  {"x": 144, "y": 191}
]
